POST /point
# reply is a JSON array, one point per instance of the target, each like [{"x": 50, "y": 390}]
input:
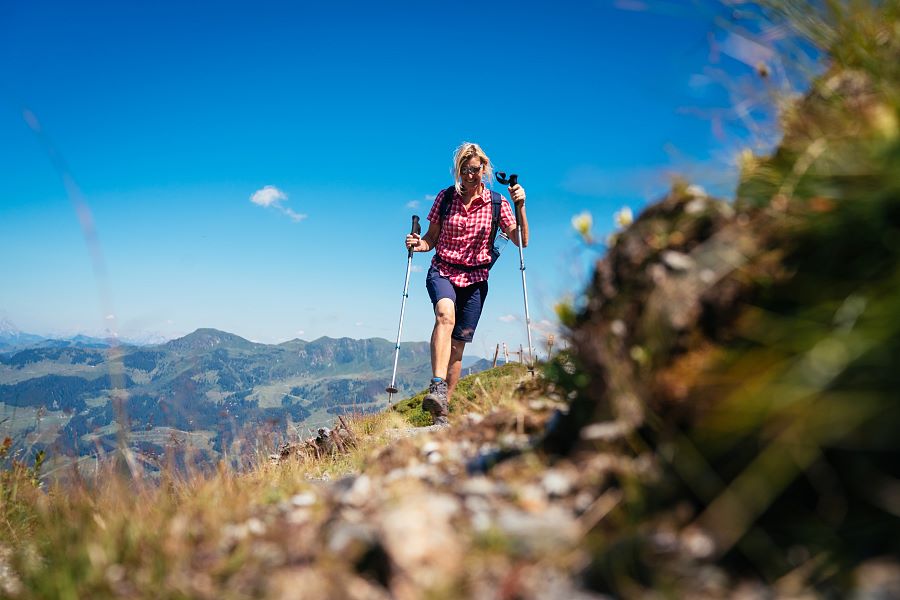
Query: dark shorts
[{"x": 469, "y": 301}]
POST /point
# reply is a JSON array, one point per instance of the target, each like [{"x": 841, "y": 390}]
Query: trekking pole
[
  {"x": 392, "y": 389},
  {"x": 513, "y": 180}
]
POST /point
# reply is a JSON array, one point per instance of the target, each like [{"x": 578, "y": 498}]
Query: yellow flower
[
  {"x": 624, "y": 217},
  {"x": 747, "y": 162},
  {"x": 582, "y": 223},
  {"x": 565, "y": 312}
]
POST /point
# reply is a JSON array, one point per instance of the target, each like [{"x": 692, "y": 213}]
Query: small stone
[
  {"x": 697, "y": 542},
  {"x": 698, "y": 205},
  {"x": 537, "y": 405},
  {"x": 359, "y": 492},
  {"x": 552, "y": 530},
  {"x": 618, "y": 328},
  {"x": 255, "y": 526},
  {"x": 421, "y": 540},
  {"x": 481, "y": 521},
  {"x": 303, "y": 499},
  {"x": 476, "y": 504},
  {"x": 430, "y": 447},
  {"x": 696, "y": 191},
  {"x": 608, "y": 431},
  {"x": 657, "y": 273},
  {"x": 350, "y": 539},
  {"x": 556, "y": 483},
  {"x": 532, "y": 498},
  {"x": 419, "y": 471},
  {"x": 435, "y": 458},
  {"x": 299, "y": 516},
  {"x": 583, "y": 501},
  {"x": 664, "y": 541},
  {"x": 232, "y": 533},
  {"x": 677, "y": 261},
  {"x": 478, "y": 486}
]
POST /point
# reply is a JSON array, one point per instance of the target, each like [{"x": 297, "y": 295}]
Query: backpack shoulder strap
[
  {"x": 496, "y": 203},
  {"x": 447, "y": 201}
]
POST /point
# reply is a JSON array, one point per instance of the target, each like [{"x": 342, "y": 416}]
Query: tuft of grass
[
  {"x": 19, "y": 491},
  {"x": 475, "y": 393}
]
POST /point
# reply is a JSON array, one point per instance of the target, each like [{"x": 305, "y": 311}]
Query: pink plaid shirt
[{"x": 465, "y": 234}]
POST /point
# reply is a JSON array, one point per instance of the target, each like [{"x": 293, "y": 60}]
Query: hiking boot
[{"x": 435, "y": 401}]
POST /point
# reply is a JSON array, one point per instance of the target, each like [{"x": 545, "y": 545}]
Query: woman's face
[{"x": 471, "y": 172}]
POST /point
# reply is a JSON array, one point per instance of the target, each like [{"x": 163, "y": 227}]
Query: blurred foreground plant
[{"x": 753, "y": 353}]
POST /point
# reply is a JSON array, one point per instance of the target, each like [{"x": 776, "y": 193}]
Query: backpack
[{"x": 496, "y": 202}]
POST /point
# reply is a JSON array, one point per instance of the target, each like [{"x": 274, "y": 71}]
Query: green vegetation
[
  {"x": 190, "y": 533},
  {"x": 19, "y": 490},
  {"x": 757, "y": 353},
  {"x": 475, "y": 391}
]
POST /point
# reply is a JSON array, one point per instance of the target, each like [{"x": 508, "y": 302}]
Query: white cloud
[
  {"x": 418, "y": 203},
  {"x": 267, "y": 196},
  {"x": 416, "y": 269},
  {"x": 545, "y": 327},
  {"x": 295, "y": 217},
  {"x": 508, "y": 318},
  {"x": 110, "y": 317},
  {"x": 271, "y": 196},
  {"x": 300, "y": 332}
]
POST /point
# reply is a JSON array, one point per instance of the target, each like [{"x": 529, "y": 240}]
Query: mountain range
[{"x": 211, "y": 391}]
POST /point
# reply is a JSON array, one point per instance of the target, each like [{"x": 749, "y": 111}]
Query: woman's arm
[
  {"x": 523, "y": 225},
  {"x": 517, "y": 193},
  {"x": 426, "y": 242}
]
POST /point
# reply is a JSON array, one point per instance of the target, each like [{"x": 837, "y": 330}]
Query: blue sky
[{"x": 168, "y": 116}]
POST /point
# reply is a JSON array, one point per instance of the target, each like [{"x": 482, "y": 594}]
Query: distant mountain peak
[
  {"x": 10, "y": 334},
  {"x": 206, "y": 338},
  {"x": 8, "y": 328}
]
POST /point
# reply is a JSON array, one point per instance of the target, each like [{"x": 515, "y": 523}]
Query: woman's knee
[
  {"x": 445, "y": 314},
  {"x": 457, "y": 348}
]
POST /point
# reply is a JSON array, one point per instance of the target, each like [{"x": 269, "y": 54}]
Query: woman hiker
[{"x": 460, "y": 232}]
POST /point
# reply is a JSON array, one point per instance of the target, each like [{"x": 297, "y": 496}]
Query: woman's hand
[
  {"x": 414, "y": 242},
  {"x": 517, "y": 193}
]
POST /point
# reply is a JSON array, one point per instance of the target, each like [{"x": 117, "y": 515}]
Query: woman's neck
[{"x": 470, "y": 194}]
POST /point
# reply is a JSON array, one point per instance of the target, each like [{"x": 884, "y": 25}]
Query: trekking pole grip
[
  {"x": 416, "y": 229},
  {"x": 514, "y": 180}
]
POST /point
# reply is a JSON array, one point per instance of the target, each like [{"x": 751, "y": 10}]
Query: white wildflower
[{"x": 624, "y": 217}]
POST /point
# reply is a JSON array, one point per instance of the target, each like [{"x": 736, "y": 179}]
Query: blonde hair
[{"x": 466, "y": 152}]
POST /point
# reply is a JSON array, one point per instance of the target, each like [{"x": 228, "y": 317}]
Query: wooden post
[
  {"x": 521, "y": 355},
  {"x": 505, "y": 354},
  {"x": 496, "y": 354},
  {"x": 549, "y": 347}
]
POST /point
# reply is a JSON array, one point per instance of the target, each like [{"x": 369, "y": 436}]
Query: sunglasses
[{"x": 467, "y": 170}]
